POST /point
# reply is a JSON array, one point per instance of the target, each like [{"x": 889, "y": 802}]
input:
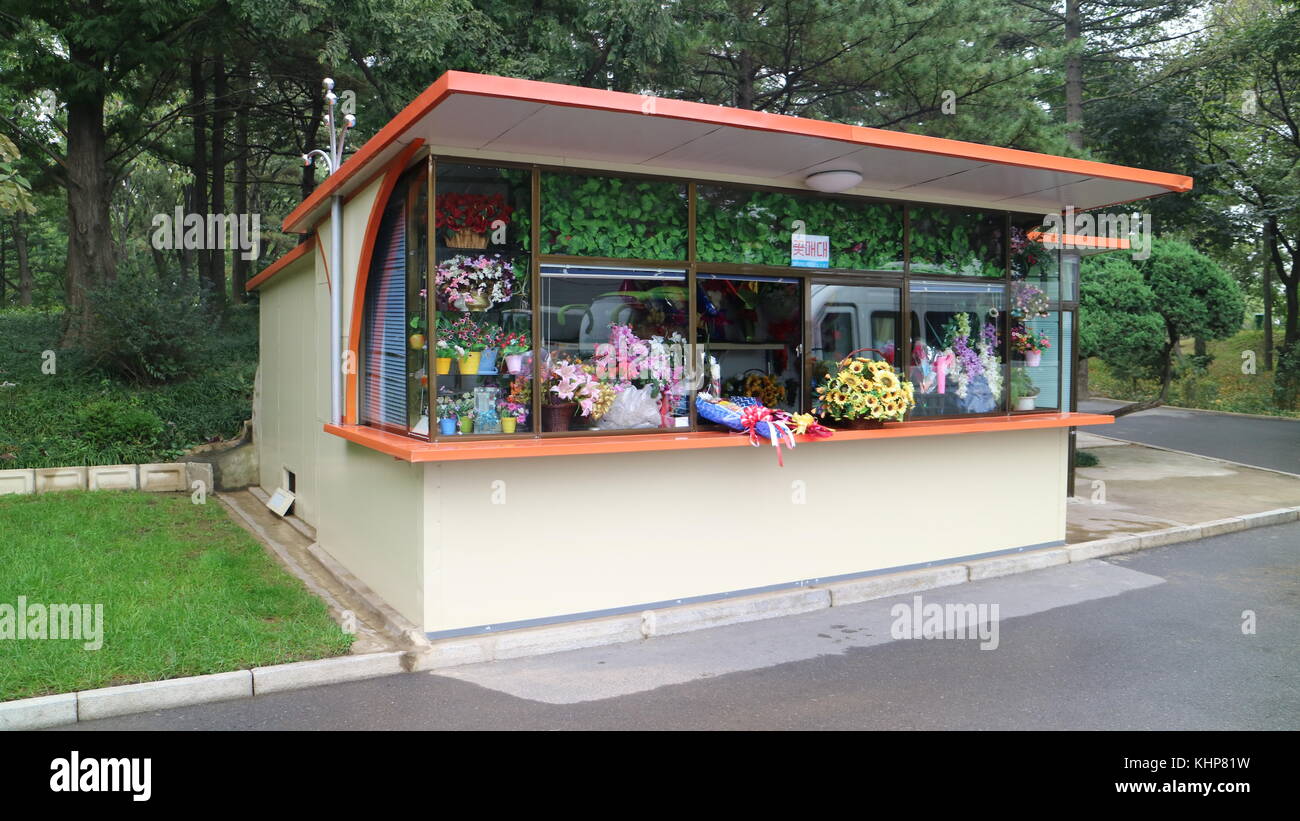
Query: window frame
[{"x": 898, "y": 279}]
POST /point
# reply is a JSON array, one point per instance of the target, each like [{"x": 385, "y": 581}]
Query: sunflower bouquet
[{"x": 860, "y": 389}]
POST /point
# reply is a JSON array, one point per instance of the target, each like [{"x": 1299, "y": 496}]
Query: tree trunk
[
  {"x": 24, "y": 261},
  {"x": 745, "y": 82},
  {"x": 239, "y": 267},
  {"x": 4, "y": 270},
  {"x": 217, "y": 256},
  {"x": 90, "y": 240},
  {"x": 199, "y": 159},
  {"x": 1268, "y": 299},
  {"x": 1166, "y": 378},
  {"x": 1073, "y": 77}
]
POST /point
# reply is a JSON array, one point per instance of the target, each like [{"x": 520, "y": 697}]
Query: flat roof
[{"x": 555, "y": 124}]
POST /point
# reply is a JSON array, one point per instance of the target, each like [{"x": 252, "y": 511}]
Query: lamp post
[{"x": 333, "y": 159}]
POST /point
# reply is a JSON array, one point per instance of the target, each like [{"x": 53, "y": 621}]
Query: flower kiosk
[{"x": 552, "y": 296}]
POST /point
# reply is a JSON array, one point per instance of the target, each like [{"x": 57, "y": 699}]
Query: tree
[
  {"x": 1134, "y": 313},
  {"x": 107, "y": 62}
]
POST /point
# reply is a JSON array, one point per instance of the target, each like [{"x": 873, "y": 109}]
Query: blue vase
[
  {"x": 487, "y": 361},
  {"x": 447, "y": 427}
]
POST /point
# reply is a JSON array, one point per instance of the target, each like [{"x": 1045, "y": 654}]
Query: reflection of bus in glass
[{"x": 847, "y": 318}]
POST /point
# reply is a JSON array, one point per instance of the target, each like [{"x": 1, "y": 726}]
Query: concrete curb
[
  {"x": 50, "y": 711},
  {"x": 161, "y": 695},
  {"x": 38, "y": 713},
  {"x": 280, "y": 677}
]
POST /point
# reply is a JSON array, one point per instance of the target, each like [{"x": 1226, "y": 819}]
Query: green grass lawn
[
  {"x": 1221, "y": 387},
  {"x": 185, "y": 591}
]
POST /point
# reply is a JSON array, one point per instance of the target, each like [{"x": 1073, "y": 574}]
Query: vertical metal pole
[{"x": 336, "y": 309}]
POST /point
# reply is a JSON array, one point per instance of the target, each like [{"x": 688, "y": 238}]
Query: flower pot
[
  {"x": 507, "y": 424},
  {"x": 1033, "y": 359},
  {"x": 465, "y": 238},
  {"x": 447, "y": 426},
  {"x": 443, "y": 364},
  {"x": 478, "y": 302},
  {"x": 469, "y": 363},
  {"x": 514, "y": 363},
  {"x": 467, "y": 424},
  {"x": 487, "y": 362},
  {"x": 1024, "y": 403},
  {"x": 558, "y": 417}
]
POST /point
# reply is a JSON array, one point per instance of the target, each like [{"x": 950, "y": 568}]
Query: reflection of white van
[
  {"x": 580, "y": 302},
  {"x": 851, "y": 317}
]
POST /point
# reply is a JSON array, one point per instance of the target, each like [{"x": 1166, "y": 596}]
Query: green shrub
[
  {"x": 1085, "y": 459},
  {"x": 147, "y": 331},
  {"x": 107, "y": 422}
]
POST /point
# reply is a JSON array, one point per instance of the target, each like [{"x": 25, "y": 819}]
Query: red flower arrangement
[{"x": 470, "y": 212}]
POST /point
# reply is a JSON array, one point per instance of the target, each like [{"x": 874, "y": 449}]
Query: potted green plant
[
  {"x": 447, "y": 414},
  {"x": 1023, "y": 390},
  {"x": 465, "y": 412}
]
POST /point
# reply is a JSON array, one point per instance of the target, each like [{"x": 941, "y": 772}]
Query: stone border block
[
  {"x": 163, "y": 478},
  {"x": 49, "y": 480},
  {"x": 163, "y": 695},
  {"x": 17, "y": 481},
  {"x": 113, "y": 477}
]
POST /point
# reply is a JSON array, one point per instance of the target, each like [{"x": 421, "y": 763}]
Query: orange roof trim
[
  {"x": 280, "y": 264},
  {"x": 459, "y": 82},
  {"x": 1081, "y": 241},
  {"x": 414, "y": 450}
]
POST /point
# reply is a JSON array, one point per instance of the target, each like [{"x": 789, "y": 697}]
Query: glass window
[
  {"x": 955, "y": 361},
  {"x": 614, "y": 353},
  {"x": 1069, "y": 276},
  {"x": 1067, "y": 358},
  {"x": 482, "y": 301},
  {"x": 952, "y": 241},
  {"x": 613, "y": 217},
  {"x": 848, "y": 318},
  {"x": 417, "y": 308},
  {"x": 1033, "y": 264},
  {"x": 1035, "y": 362},
  {"x": 753, "y": 328},
  {"x": 383, "y": 371},
  {"x": 755, "y": 227}
]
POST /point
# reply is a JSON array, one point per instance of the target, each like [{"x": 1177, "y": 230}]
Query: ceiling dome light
[{"x": 833, "y": 182}]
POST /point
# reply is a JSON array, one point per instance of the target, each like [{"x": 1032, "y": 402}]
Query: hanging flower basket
[{"x": 466, "y": 238}]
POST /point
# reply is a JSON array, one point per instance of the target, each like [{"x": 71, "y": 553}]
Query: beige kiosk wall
[
  {"x": 366, "y": 507},
  {"x": 519, "y": 539}
]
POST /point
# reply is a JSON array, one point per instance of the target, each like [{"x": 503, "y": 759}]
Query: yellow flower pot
[
  {"x": 508, "y": 424},
  {"x": 469, "y": 363},
  {"x": 443, "y": 364}
]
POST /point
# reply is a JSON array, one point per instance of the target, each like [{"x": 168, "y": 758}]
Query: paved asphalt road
[
  {"x": 1269, "y": 443},
  {"x": 1151, "y": 640}
]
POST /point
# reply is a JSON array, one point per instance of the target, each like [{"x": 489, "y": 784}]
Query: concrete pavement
[
  {"x": 1263, "y": 442},
  {"x": 1149, "y": 640}
]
